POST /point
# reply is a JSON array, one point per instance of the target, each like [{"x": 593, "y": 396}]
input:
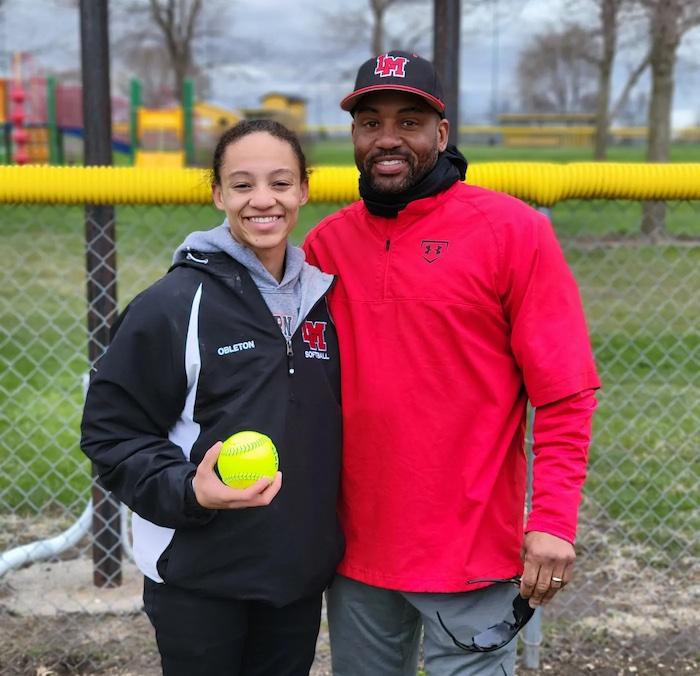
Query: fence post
[
  {"x": 532, "y": 632},
  {"x": 446, "y": 22},
  {"x": 100, "y": 261}
]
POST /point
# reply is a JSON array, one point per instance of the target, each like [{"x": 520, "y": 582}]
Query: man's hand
[
  {"x": 212, "y": 493},
  {"x": 549, "y": 563}
]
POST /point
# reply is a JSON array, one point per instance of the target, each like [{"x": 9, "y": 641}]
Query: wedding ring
[{"x": 557, "y": 579}]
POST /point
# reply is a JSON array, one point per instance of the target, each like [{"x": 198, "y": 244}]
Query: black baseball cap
[{"x": 401, "y": 71}]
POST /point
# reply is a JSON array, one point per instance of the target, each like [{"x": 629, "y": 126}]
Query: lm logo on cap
[{"x": 391, "y": 66}]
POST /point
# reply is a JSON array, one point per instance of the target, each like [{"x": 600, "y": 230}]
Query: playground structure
[
  {"x": 22, "y": 140},
  {"x": 40, "y": 117},
  {"x": 159, "y": 127},
  {"x": 161, "y": 137},
  {"x": 46, "y": 125},
  {"x": 288, "y": 110}
]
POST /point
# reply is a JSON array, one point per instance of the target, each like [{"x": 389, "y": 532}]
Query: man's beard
[{"x": 416, "y": 170}]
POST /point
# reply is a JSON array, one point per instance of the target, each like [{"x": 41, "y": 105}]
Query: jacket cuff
[{"x": 192, "y": 507}]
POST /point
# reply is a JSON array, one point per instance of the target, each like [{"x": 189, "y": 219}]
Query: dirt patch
[
  {"x": 66, "y": 587},
  {"x": 109, "y": 645},
  {"x": 620, "y": 617},
  {"x": 123, "y": 645},
  {"x": 91, "y": 644},
  {"x": 55, "y": 622},
  {"x": 77, "y": 644},
  {"x": 17, "y": 530}
]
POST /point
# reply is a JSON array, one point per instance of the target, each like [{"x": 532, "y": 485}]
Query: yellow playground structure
[
  {"x": 213, "y": 119},
  {"x": 160, "y": 133},
  {"x": 160, "y": 137},
  {"x": 289, "y": 110}
]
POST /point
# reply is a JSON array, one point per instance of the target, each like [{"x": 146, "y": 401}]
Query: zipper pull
[
  {"x": 290, "y": 358},
  {"x": 386, "y": 246}
]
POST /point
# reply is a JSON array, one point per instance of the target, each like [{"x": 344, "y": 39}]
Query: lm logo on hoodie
[{"x": 314, "y": 335}]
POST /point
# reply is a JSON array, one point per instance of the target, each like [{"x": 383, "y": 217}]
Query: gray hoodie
[{"x": 289, "y": 300}]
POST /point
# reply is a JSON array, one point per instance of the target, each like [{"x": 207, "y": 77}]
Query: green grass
[
  {"x": 643, "y": 312},
  {"x": 642, "y": 305},
  {"x": 339, "y": 151}
]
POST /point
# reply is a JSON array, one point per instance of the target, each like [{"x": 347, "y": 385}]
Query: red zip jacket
[{"x": 449, "y": 318}]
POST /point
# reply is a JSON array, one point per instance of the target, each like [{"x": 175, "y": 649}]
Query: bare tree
[
  {"x": 349, "y": 27},
  {"x": 177, "y": 21},
  {"x": 669, "y": 21},
  {"x": 632, "y": 79},
  {"x": 167, "y": 30},
  {"x": 151, "y": 64},
  {"x": 633, "y": 112},
  {"x": 378, "y": 8},
  {"x": 608, "y": 11},
  {"x": 485, "y": 21},
  {"x": 556, "y": 73},
  {"x": 610, "y": 17}
]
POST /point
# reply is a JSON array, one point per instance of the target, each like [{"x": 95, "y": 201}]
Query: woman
[{"x": 235, "y": 337}]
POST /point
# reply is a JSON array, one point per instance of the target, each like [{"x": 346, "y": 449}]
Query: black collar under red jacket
[{"x": 195, "y": 358}]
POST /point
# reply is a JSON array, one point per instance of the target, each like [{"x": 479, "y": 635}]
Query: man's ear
[
  {"x": 217, "y": 196},
  {"x": 443, "y": 132},
  {"x": 304, "y": 192}
]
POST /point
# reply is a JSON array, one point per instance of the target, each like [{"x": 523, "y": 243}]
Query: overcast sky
[{"x": 283, "y": 45}]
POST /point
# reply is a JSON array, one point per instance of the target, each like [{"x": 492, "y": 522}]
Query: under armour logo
[{"x": 432, "y": 249}]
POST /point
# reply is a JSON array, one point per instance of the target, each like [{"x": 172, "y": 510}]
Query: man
[{"x": 454, "y": 307}]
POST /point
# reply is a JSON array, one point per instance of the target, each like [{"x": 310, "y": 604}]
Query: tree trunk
[
  {"x": 181, "y": 68},
  {"x": 654, "y": 220},
  {"x": 602, "y": 121},
  {"x": 177, "y": 21},
  {"x": 665, "y": 36},
  {"x": 377, "y": 29},
  {"x": 608, "y": 22},
  {"x": 659, "y": 139}
]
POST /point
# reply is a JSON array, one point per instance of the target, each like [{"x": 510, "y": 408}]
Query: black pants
[{"x": 205, "y": 636}]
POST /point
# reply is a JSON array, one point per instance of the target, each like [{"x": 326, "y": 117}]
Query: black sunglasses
[{"x": 497, "y": 635}]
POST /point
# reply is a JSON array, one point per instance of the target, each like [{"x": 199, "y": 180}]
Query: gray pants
[{"x": 376, "y": 631}]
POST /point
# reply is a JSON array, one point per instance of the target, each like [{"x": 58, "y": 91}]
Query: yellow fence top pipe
[
  {"x": 540, "y": 182},
  {"x": 102, "y": 185}
]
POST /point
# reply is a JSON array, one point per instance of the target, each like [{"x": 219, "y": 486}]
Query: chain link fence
[{"x": 634, "y": 601}]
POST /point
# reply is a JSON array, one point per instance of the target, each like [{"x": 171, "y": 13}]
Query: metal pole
[
  {"x": 52, "y": 121},
  {"x": 188, "y": 120},
  {"x": 446, "y": 22},
  {"x": 100, "y": 260},
  {"x": 531, "y": 635},
  {"x": 135, "y": 104}
]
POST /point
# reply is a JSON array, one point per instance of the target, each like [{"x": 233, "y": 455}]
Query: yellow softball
[{"x": 246, "y": 457}]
